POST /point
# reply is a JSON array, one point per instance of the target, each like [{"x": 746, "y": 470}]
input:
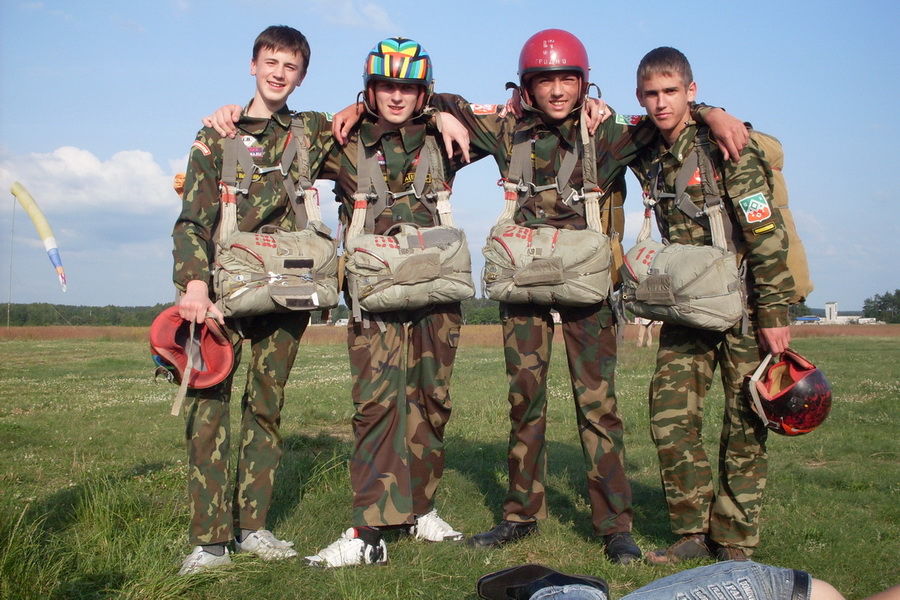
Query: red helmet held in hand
[
  {"x": 792, "y": 396},
  {"x": 211, "y": 351}
]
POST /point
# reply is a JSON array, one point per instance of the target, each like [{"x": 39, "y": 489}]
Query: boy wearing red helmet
[{"x": 553, "y": 78}]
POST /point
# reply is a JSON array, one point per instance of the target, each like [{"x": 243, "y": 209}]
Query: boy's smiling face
[{"x": 277, "y": 73}]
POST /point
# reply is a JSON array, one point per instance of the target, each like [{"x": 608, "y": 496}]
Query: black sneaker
[
  {"x": 620, "y": 548},
  {"x": 504, "y": 533}
]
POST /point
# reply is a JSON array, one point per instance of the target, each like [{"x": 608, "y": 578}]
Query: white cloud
[{"x": 71, "y": 180}]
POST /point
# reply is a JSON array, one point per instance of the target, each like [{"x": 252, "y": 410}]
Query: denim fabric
[
  {"x": 735, "y": 580},
  {"x": 568, "y": 592}
]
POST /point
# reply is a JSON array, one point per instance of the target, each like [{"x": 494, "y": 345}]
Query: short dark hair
[
  {"x": 665, "y": 61},
  {"x": 287, "y": 39}
]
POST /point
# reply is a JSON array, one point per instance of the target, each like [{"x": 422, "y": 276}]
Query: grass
[{"x": 93, "y": 503}]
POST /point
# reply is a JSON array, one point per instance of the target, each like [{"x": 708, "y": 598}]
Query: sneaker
[
  {"x": 688, "y": 547},
  {"x": 201, "y": 560},
  {"x": 350, "y": 550},
  {"x": 432, "y": 528},
  {"x": 266, "y": 546}
]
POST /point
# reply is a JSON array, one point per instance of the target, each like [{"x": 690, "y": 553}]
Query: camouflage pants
[
  {"x": 217, "y": 509},
  {"x": 590, "y": 338},
  {"x": 401, "y": 392},
  {"x": 685, "y": 364}
]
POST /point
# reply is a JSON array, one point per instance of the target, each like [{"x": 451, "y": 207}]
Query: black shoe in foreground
[
  {"x": 505, "y": 532},
  {"x": 620, "y": 548},
  {"x": 520, "y": 583}
]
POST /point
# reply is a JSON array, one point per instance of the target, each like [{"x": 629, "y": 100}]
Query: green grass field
[{"x": 93, "y": 502}]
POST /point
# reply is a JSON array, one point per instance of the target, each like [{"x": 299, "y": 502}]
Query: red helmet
[
  {"x": 553, "y": 50},
  {"x": 213, "y": 356},
  {"x": 792, "y": 396}
]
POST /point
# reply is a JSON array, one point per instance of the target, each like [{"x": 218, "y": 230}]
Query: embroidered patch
[
  {"x": 764, "y": 229},
  {"x": 628, "y": 119},
  {"x": 329, "y": 116},
  {"x": 484, "y": 109},
  {"x": 250, "y": 142},
  {"x": 203, "y": 148},
  {"x": 756, "y": 208}
]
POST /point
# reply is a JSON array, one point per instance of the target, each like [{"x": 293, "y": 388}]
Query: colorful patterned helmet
[
  {"x": 553, "y": 50},
  {"x": 213, "y": 356},
  {"x": 398, "y": 59},
  {"x": 792, "y": 396}
]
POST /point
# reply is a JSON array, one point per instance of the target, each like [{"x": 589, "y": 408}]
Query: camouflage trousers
[
  {"x": 401, "y": 393},
  {"x": 685, "y": 364},
  {"x": 217, "y": 509},
  {"x": 590, "y": 338}
]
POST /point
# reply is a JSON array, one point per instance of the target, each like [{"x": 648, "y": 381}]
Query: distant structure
[{"x": 833, "y": 318}]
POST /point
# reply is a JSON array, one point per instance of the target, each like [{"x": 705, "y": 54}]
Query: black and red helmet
[
  {"x": 211, "y": 350},
  {"x": 792, "y": 396}
]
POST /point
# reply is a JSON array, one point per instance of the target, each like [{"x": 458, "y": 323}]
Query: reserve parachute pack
[
  {"x": 273, "y": 270},
  {"x": 407, "y": 267},
  {"x": 682, "y": 284},
  {"x": 797, "y": 263},
  {"x": 546, "y": 265}
]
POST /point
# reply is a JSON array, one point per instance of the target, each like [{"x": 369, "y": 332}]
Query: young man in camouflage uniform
[
  {"x": 400, "y": 361},
  {"x": 279, "y": 63},
  {"x": 724, "y": 524},
  {"x": 553, "y": 72}
]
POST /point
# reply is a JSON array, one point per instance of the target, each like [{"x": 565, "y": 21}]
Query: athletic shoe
[
  {"x": 430, "y": 527},
  {"x": 201, "y": 560},
  {"x": 348, "y": 550},
  {"x": 266, "y": 546}
]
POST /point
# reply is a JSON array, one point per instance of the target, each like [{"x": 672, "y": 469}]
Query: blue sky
[{"x": 100, "y": 101}]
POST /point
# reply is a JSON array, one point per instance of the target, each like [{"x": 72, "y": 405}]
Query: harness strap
[{"x": 188, "y": 371}]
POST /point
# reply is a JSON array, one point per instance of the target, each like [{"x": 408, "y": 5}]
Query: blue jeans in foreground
[{"x": 735, "y": 580}]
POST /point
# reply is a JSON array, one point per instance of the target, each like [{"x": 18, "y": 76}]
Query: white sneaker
[
  {"x": 432, "y": 528},
  {"x": 266, "y": 546},
  {"x": 200, "y": 560},
  {"x": 349, "y": 550}
]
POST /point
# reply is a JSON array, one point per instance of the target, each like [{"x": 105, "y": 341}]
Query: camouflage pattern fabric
[
  {"x": 217, "y": 509},
  {"x": 401, "y": 375},
  {"x": 685, "y": 364},
  {"x": 267, "y": 202},
  {"x": 688, "y": 357},
  {"x": 401, "y": 391},
  {"x": 590, "y": 338}
]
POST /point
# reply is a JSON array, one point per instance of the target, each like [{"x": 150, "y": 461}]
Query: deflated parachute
[{"x": 43, "y": 228}]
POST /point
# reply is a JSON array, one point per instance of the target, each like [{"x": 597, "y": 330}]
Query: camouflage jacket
[
  {"x": 398, "y": 150},
  {"x": 266, "y": 204},
  {"x": 747, "y": 194}
]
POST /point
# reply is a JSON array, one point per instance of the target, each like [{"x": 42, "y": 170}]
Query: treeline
[{"x": 475, "y": 311}]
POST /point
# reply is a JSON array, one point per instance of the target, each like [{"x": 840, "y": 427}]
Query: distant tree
[
  {"x": 884, "y": 307},
  {"x": 798, "y": 310},
  {"x": 480, "y": 311}
]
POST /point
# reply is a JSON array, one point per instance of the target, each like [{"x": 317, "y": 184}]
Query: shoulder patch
[
  {"x": 628, "y": 119},
  {"x": 484, "y": 109},
  {"x": 756, "y": 208},
  {"x": 329, "y": 116},
  {"x": 764, "y": 229},
  {"x": 203, "y": 148}
]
